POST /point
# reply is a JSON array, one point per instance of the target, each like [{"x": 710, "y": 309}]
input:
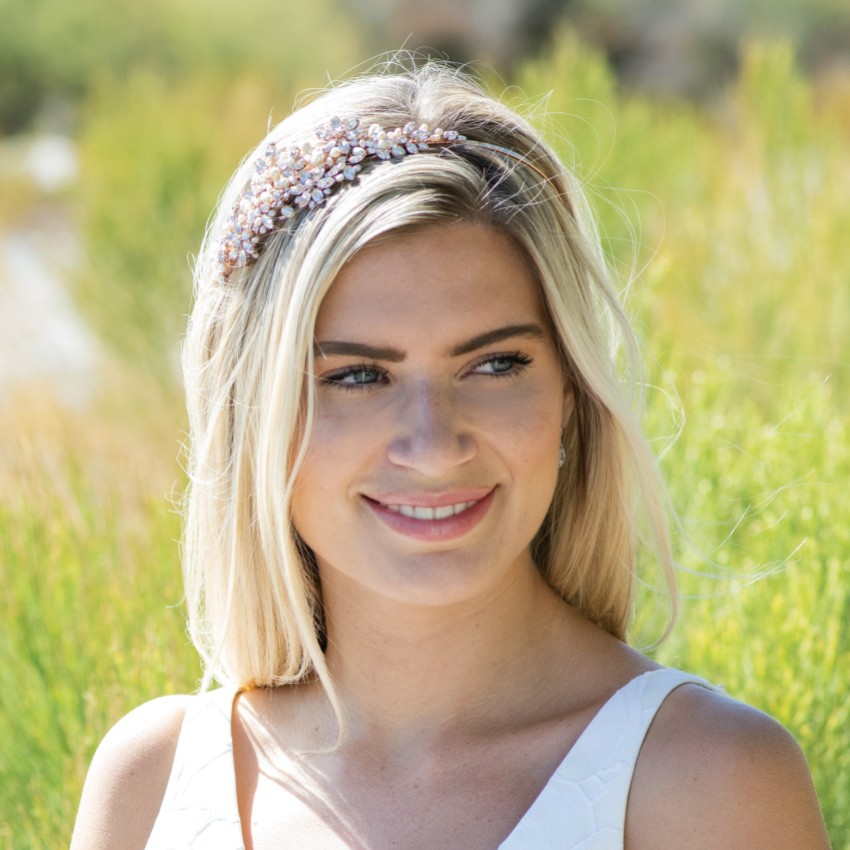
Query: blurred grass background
[{"x": 726, "y": 202}]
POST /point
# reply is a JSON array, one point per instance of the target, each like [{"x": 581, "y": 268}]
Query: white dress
[{"x": 582, "y": 806}]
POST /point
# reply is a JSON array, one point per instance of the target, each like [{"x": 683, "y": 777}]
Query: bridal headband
[{"x": 287, "y": 181}]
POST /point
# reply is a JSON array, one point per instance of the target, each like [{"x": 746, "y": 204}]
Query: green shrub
[{"x": 53, "y": 50}]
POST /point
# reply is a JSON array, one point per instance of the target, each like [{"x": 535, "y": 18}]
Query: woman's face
[{"x": 441, "y": 399}]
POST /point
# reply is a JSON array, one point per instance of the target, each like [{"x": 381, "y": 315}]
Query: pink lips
[{"x": 433, "y": 517}]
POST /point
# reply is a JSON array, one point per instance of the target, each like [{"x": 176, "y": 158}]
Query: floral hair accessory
[{"x": 302, "y": 177}]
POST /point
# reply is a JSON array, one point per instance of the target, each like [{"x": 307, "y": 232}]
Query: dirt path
[{"x": 43, "y": 340}]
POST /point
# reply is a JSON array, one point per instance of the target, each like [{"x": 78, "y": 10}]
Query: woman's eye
[
  {"x": 354, "y": 377},
  {"x": 502, "y": 364}
]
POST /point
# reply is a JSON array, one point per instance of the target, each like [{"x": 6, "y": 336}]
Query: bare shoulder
[
  {"x": 715, "y": 773},
  {"x": 128, "y": 775}
]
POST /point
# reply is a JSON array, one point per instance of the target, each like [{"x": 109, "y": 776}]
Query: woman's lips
[
  {"x": 433, "y": 517},
  {"x": 442, "y": 512}
]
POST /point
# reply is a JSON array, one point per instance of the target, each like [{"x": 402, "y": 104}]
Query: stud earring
[{"x": 562, "y": 456}]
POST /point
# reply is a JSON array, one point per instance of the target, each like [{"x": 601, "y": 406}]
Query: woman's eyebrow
[
  {"x": 530, "y": 331},
  {"x": 357, "y": 349},
  {"x": 329, "y": 348}
]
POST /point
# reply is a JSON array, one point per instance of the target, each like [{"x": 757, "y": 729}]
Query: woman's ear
[{"x": 569, "y": 404}]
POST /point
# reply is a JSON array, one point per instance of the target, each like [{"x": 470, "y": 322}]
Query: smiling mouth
[
  {"x": 423, "y": 513},
  {"x": 440, "y": 521}
]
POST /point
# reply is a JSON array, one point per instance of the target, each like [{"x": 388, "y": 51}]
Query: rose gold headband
[{"x": 302, "y": 177}]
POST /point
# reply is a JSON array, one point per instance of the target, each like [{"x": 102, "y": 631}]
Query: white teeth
[{"x": 417, "y": 512}]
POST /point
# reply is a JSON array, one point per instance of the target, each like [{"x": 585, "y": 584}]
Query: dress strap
[
  {"x": 583, "y": 805},
  {"x": 200, "y": 809}
]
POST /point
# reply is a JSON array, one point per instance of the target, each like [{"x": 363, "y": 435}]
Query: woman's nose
[{"x": 431, "y": 435}]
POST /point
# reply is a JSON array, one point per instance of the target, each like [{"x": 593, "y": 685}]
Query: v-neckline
[
  {"x": 587, "y": 733},
  {"x": 539, "y": 801}
]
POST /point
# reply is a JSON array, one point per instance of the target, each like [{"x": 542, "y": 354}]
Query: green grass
[
  {"x": 91, "y": 608},
  {"x": 735, "y": 219},
  {"x": 764, "y": 496}
]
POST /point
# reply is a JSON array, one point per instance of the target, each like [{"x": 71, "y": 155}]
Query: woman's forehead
[{"x": 445, "y": 273}]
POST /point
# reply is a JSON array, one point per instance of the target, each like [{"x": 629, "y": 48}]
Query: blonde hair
[{"x": 254, "y": 598}]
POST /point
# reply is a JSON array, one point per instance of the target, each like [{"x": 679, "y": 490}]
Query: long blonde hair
[{"x": 254, "y": 597}]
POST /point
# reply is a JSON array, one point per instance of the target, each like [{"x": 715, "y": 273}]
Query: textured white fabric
[
  {"x": 582, "y": 807},
  {"x": 199, "y": 810}
]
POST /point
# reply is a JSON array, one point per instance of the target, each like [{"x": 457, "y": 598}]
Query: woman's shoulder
[
  {"x": 714, "y": 773},
  {"x": 128, "y": 775}
]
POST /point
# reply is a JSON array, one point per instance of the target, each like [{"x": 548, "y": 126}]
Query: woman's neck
[{"x": 410, "y": 675}]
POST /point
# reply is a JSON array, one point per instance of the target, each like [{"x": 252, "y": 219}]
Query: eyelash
[
  {"x": 337, "y": 379},
  {"x": 517, "y": 360}
]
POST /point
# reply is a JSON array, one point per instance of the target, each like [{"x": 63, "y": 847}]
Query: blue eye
[
  {"x": 356, "y": 377},
  {"x": 502, "y": 365}
]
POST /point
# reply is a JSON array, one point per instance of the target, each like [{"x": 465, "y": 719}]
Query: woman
[{"x": 416, "y": 486}]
